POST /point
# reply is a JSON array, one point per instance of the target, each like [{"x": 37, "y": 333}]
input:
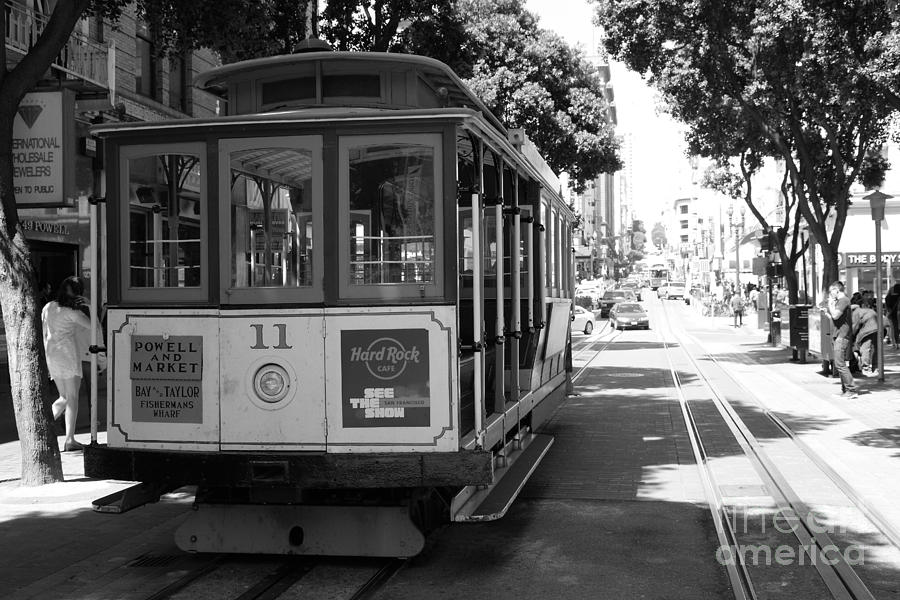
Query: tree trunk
[
  {"x": 27, "y": 367},
  {"x": 792, "y": 282},
  {"x": 830, "y": 268}
]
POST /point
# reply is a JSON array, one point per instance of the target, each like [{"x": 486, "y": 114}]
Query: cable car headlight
[{"x": 271, "y": 383}]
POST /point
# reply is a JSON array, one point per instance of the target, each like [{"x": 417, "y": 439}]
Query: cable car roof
[{"x": 438, "y": 74}]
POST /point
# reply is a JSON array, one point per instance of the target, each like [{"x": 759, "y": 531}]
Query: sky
[{"x": 659, "y": 168}]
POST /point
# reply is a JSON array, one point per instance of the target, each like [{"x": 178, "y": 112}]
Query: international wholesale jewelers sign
[{"x": 43, "y": 135}]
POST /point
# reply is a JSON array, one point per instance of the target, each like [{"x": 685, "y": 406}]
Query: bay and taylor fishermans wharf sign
[
  {"x": 385, "y": 378},
  {"x": 166, "y": 374}
]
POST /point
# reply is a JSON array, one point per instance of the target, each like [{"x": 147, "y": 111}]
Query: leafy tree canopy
[
  {"x": 658, "y": 235},
  {"x": 795, "y": 79},
  {"x": 530, "y": 77}
]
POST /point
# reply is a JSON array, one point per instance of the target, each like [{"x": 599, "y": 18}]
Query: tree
[
  {"x": 27, "y": 365},
  {"x": 375, "y": 25},
  {"x": 530, "y": 77},
  {"x": 739, "y": 186},
  {"x": 658, "y": 236},
  {"x": 18, "y": 298},
  {"x": 800, "y": 74}
]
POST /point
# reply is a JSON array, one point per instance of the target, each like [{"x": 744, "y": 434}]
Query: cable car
[{"x": 341, "y": 310}]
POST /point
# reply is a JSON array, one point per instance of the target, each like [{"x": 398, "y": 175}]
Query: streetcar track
[
  {"x": 276, "y": 582},
  {"x": 616, "y": 335},
  {"x": 379, "y": 579},
  {"x": 870, "y": 512},
  {"x": 737, "y": 572},
  {"x": 842, "y": 581}
]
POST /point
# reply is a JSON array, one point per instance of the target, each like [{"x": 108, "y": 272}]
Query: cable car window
[
  {"x": 389, "y": 190},
  {"x": 165, "y": 207},
  {"x": 524, "y": 250},
  {"x": 489, "y": 253},
  {"x": 271, "y": 218},
  {"x": 552, "y": 250},
  {"x": 545, "y": 221},
  {"x": 466, "y": 250},
  {"x": 274, "y": 220}
]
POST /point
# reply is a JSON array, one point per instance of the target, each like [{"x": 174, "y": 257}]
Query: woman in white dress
[{"x": 66, "y": 323}]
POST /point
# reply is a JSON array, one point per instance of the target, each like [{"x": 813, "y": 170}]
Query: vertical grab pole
[
  {"x": 542, "y": 262},
  {"x": 515, "y": 276},
  {"x": 95, "y": 321},
  {"x": 529, "y": 235},
  {"x": 478, "y": 326},
  {"x": 499, "y": 339}
]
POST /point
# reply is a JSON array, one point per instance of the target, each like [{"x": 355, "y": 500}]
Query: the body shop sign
[
  {"x": 41, "y": 140},
  {"x": 384, "y": 380}
]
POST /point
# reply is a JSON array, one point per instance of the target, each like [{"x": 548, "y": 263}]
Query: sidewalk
[
  {"x": 53, "y": 542},
  {"x": 859, "y": 439}
]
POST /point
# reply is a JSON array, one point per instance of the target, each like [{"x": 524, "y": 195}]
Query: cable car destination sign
[{"x": 166, "y": 374}]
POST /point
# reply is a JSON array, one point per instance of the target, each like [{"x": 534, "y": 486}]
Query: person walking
[
  {"x": 737, "y": 307},
  {"x": 66, "y": 323},
  {"x": 838, "y": 308},
  {"x": 864, "y": 330}
]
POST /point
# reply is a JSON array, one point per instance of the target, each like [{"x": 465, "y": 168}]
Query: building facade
[{"x": 107, "y": 72}]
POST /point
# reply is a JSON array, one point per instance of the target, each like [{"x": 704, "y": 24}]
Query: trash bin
[{"x": 798, "y": 325}]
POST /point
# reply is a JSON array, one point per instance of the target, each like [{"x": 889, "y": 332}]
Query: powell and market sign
[
  {"x": 43, "y": 144},
  {"x": 867, "y": 259}
]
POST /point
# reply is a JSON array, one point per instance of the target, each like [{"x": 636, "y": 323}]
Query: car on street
[
  {"x": 675, "y": 289},
  {"x": 625, "y": 315},
  {"x": 634, "y": 287},
  {"x": 582, "y": 320},
  {"x": 590, "y": 289},
  {"x": 612, "y": 297}
]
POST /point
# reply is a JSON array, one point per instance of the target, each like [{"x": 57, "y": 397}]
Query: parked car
[
  {"x": 675, "y": 289},
  {"x": 629, "y": 314},
  {"x": 582, "y": 320},
  {"x": 612, "y": 297}
]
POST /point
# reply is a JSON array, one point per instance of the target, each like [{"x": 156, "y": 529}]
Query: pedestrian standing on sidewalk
[
  {"x": 66, "y": 322},
  {"x": 838, "y": 308},
  {"x": 737, "y": 307},
  {"x": 864, "y": 330},
  {"x": 754, "y": 298},
  {"x": 892, "y": 307}
]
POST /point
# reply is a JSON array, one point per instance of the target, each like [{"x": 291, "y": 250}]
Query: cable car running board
[{"x": 476, "y": 503}]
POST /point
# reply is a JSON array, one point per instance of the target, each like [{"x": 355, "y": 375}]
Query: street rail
[
  {"x": 841, "y": 579},
  {"x": 274, "y": 583}
]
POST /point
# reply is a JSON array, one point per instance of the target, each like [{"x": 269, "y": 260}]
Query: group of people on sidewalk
[{"x": 855, "y": 332}]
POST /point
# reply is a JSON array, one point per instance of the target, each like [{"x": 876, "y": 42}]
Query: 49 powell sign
[
  {"x": 385, "y": 378},
  {"x": 166, "y": 376}
]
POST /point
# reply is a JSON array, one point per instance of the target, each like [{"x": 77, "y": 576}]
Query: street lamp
[
  {"x": 877, "y": 201},
  {"x": 738, "y": 228}
]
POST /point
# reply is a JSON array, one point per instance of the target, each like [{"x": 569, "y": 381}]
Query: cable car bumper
[{"x": 313, "y": 470}]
